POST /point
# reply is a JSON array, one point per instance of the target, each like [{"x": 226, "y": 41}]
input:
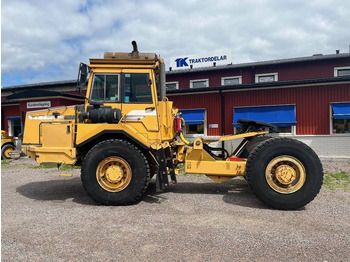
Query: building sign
[
  {"x": 195, "y": 61},
  {"x": 40, "y": 104}
]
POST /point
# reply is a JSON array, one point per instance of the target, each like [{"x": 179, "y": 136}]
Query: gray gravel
[{"x": 49, "y": 218}]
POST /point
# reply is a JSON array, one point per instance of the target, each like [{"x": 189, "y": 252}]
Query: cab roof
[{"x": 125, "y": 58}]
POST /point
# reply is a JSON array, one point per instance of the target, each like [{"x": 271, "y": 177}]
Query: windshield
[{"x": 105, "y": 87}]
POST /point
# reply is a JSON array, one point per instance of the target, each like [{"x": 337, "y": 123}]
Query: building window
[
  {"x": 281, "y": 116},
  {"x": 199, "y": 83},
  {"x": 340, "y": 121},
  {"x": 172, "y": 85},
  {"x": 232, "y": 80},
  {"x": 263, "y": 78},
  {"x": 14, "y": 125},
  {"x": 195, "y": 124},
  {"x": 342, "y": 71}
]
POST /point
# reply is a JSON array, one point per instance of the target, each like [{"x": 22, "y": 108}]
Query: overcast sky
[{"x": 45, "y": 40}]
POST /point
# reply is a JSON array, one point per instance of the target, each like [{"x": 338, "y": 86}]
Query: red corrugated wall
[
  {"x": 15, "y": 110},
  {"x": 312, "y": 105},
  {"x": 209, "y": 101},
  {"x": 8, "y": 111}
]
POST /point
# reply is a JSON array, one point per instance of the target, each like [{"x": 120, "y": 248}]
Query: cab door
[{"x": 139, "y": 100}]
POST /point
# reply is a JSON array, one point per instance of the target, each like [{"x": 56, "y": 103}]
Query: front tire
[
  {"x": 284, "y": 173},
  {"x": 6, "y": 150},
  {"x": 115, "y": 172}
]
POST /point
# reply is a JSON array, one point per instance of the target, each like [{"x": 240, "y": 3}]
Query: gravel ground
[{"x": 49, "y": 218}]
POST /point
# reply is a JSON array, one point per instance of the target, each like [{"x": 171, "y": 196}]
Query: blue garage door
[{"x": 276, "y": 115}]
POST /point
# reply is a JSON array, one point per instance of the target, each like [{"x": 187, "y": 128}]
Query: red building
[
  {"x": 308, "y": 98},
  {"x": 17, "y": 100}
]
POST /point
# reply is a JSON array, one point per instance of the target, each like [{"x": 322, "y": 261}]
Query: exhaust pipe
[
  {"x": 135, "y": 51},
  {"x": 134, "y": 47},
  {"x": 162, "y": 78}
]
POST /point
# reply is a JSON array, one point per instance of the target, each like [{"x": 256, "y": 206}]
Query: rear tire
[
  {"x": 115, "y": 172},
  {"x": 252, "y": 144},
  {"x": 6, "y": 150},
  {"x": 284, "y": 173}
]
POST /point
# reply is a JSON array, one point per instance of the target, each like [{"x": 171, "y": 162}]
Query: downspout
[
  {"x": 222, "y": 101},
  {"x": 23, "y": 118},
  {"x": 253, "y": 75}
]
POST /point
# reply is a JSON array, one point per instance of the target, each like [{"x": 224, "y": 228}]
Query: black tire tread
[
  {"x": 267, "y": 143},
  {"x": 252, "y": 144},
  {"x": 144, "y": 159},
  {"x": 4, "y": 148}
]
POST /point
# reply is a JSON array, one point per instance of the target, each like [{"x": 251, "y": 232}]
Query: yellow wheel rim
[
  {"x": 113, "y": 174},
  {"x": 285, "y": 174},
  {"x": 7, "y": 152}
]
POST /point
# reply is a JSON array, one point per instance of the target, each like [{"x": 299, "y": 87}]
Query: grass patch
[
  {"x": 68, "y": 167},
  {"x": 340, "y": 180},
  {"x": 44, "y": 166},
  {"x": 4, "y": 162},
  {"x": 62, "y": 167},
  {"x": 181, "y": 169},
  {"x": 182, "y": 172}
]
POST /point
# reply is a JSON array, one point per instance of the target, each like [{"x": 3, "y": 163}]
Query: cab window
[
  {"x": 137, "y": 88},
  {"x": 105, "y": 87}
]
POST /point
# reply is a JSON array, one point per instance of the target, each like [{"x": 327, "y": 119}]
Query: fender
[{"x": 111, "y": 133}]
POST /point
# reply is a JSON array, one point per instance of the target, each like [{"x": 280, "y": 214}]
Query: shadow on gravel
[
  {"x": 57, "y": 190},
  {"x": 234, "y": 192}
]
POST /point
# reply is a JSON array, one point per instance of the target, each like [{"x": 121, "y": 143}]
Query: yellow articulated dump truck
[
  {"x": 127, "y": 131},
  {"x": 7, "y": 145}
]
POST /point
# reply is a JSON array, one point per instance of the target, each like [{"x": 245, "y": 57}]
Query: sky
[{"x": 44, "y": 41}]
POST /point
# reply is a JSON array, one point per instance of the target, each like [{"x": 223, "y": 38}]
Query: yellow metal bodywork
[
  {"x": 285, "y": 174},
  {"x": 113, "y": 174},
  {"x": 198, "y": 161},
  {"x": 49, "y": 138},
  {"x": 57, "y": 134},
  {"x": 66, "y": 175},
  {"x": 5, "y": 139},
  {"x": 35, "y": 119},
  {"x": 231, "y": 137},
  {"x": 59, "y": 155}
]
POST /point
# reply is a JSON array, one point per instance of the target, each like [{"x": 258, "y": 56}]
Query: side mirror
[{"x": 82, "y": 75}]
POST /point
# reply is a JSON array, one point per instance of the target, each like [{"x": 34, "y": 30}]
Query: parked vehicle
[
  {"x": 7, "y": 145},
  {"x": 127, "y": 131}
]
